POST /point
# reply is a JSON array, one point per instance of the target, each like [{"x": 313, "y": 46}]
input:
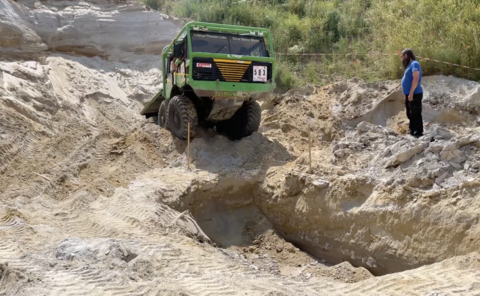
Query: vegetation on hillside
[{"x": 364, "y": 35}]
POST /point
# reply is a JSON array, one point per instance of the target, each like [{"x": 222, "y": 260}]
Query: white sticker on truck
[
  {"x": 204, "y": 65},
  {"x": 260, "y": 73}
]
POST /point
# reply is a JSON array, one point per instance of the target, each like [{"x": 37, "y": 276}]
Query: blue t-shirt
[{"x": 408, "y": 79}]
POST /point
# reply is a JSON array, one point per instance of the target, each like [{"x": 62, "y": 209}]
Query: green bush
[
  {"x": 447, "y": 30},
  {"x": 438, "y": 29},
  {"x": 154, "y": 4},
  {"x": 285, "y": 76}
]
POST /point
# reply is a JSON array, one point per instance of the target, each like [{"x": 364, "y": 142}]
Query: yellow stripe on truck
[{"x": 232, "y": 61}]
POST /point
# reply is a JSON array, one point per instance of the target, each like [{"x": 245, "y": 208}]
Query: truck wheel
[
  {"x": 245, "y": 121},
  {"x": 181, "y": 111},
  {"x": 162, "y": 114},
  {"x": 252, "y": 117}
]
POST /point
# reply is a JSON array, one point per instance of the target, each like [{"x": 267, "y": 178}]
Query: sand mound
[{"x": 97, "y": 200}]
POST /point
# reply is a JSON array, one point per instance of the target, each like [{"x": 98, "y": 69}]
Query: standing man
[{"x": 412, "y": 89}]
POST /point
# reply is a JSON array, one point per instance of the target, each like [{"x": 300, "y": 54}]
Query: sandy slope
[{"x": 89, "y": 192}]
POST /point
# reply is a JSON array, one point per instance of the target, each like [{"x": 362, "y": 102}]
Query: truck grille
[{"x": 226, "y": 70}]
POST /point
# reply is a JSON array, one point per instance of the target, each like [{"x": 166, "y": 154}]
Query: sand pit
[{"x": 97, "y": 200}]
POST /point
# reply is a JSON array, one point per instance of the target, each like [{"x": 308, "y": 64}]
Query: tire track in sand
[{"x": 147, "y": 249}]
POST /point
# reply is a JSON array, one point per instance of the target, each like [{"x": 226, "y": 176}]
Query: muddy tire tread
[
  {"x": 244, "y": 122},
  {"x": 187, "y": 113},
  {"x": 253, "y": 117},
  {"x": 163, "y": 109}
]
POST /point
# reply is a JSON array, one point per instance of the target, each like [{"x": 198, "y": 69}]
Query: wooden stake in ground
[
  {"x": 188, "y": 146},
  {"x": 310, "y": 151}
]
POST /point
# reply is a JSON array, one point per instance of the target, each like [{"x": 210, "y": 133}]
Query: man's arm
[{"x": 416, "y": 77}]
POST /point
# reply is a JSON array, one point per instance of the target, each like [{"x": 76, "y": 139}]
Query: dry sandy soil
[{"x": 97, "y": 200}]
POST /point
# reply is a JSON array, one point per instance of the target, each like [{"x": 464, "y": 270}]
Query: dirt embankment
[
  {"x": 375, "y": 197},
  {"x": 97, "y": 200}
]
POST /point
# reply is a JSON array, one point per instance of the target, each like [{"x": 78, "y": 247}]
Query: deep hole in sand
[
  {"x": 241, "y": 226},
  {"x": 229, "y": 226},
  {"x": 234, "y": 226}
]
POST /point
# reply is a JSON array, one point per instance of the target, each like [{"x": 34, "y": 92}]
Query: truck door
[{"x": 169, "y": 76}]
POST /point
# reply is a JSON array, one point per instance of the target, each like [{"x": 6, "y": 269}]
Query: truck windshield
[{"x": 228, "y": 44}]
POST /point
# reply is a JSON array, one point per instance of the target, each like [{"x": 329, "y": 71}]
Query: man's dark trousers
[{"x": 414, "y": 114}]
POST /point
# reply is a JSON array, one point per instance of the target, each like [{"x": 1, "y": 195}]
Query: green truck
[{"x": 213, "y": 75}]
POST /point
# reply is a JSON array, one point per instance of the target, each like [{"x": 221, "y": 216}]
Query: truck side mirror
[{"x": 177, "y": 50}]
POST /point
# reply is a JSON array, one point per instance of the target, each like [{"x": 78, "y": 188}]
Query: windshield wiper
[{"x": 220, "y": 48}]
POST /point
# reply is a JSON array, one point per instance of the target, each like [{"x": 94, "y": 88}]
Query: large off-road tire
[
  {"x": 244, "y": 122},
  {"x": 181, "y": 111},
  {"x": 162, "y": 114}
]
